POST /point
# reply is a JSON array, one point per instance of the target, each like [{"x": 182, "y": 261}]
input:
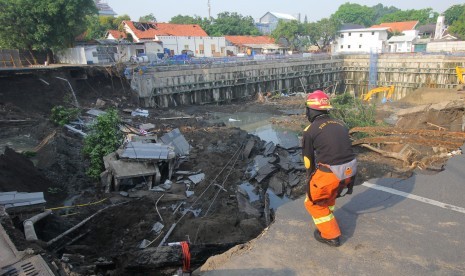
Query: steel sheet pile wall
[
  {"x": 189, "y": 84},
  {"x": 406, "y": 71}
]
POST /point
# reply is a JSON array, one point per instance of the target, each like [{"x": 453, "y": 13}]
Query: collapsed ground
[{"x": 110, "y": 242}]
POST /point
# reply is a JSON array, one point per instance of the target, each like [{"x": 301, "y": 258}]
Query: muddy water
[
  {"x": 19, "y": 143},
  {"x": 259, "y": 124},
  {"x": 275, "y": 201}
]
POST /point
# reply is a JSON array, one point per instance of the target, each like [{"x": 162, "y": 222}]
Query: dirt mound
[
  {"x": 422, "y": 96},
  {"x": 18, "y": 173}
]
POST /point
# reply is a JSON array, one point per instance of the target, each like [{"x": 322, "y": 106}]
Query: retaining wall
[{"x": 213, "y": 83}]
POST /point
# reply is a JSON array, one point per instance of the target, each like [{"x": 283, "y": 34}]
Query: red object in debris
[{"x": 186, "y": 257}]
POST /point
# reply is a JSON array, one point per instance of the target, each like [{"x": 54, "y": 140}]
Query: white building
[
  {"x": 268, "y": 23},
  {"x": 361, "y": 40},
  {"x": 201, "y": 46},
  {"x": 176, "y": 38}
]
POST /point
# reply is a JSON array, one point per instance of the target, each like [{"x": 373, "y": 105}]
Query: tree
[
  {"x": 380, "y": 10},
  {"x": 232, "y": 24},
  {"x": 148, "y": 18},
  {"x": 46, "y": 25},
  {"x": 99, "y": 25},
  {"x": 186, "y": 19},
  {"x": 354, "y": 14},
  {"x": 453, "y": 13},
  {"x": 290, "y": 31},
  {"x": 424, "y": 16},
  {"x": 322, "y": 32},
  {"x": 104, "y": 138},
  {"x": 458, "y": 27}
]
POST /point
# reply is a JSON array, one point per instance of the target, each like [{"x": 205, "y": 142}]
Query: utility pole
[{"x": 209, "y": 10}]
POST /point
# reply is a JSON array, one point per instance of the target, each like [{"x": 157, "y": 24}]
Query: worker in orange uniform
[{"x": 330, "y": 163}]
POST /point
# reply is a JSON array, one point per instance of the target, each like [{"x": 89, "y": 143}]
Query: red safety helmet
[{"x": 318, "y": 100}]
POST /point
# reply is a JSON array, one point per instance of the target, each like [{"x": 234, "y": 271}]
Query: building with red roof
[
  {"x": 248, "y": 44},
  {"x": 398, "y": 27},
  {"x": 143, "y": 31},
  {"x": 174, "y": 39},
  {"x": 403, "y": 43}
]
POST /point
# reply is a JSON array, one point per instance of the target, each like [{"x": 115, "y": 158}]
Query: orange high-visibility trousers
[{"x": 323, "y": 193}]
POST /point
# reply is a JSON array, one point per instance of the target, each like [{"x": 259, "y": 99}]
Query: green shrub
[
  {"x": 104, "y": 138},
  {"x": 62, "y": 115},
  {"x": 352, "y": 111}
]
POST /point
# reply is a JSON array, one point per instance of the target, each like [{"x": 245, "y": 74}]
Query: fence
[{"x": 18, "y": 59}]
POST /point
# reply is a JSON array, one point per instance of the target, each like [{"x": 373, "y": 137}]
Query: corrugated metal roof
[
  {"x": 139, "y": 150},
  {"x": 177, "y": 140},
  {"x": 283, "y": 16}
]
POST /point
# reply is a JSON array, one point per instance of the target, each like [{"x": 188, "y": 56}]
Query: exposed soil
[{"x": 110, "y": 242}]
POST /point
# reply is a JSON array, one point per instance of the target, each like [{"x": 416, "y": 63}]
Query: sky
[{"x": 315, "y": 10}]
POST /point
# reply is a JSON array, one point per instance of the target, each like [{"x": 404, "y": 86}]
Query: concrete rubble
[{"x": 141, "y": 157}]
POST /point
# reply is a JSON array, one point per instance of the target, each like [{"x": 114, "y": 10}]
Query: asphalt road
[{"x": 390, "y": 227}]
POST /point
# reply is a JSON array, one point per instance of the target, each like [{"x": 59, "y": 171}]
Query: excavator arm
[
  {"x": 389, "y": 89},
  {"x": 460, "y": 71}
]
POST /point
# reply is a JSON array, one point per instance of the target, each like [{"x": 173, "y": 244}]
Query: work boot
[{"x": 331, "y": 242}]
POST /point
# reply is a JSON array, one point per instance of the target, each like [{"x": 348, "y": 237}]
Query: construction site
[{"x": 210, "y": 179}]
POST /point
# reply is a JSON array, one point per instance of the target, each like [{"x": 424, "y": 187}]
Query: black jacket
[{"x": 326, "y": 141}]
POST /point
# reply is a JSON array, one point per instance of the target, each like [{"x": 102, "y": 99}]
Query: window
[
  {"x": 201, "y": 52},
  {"x": 361, "y": 35},
  {"x": 186, "y": 47},
  {"x": 342, "y": 35},
  {"x": 350, "y": 34},
  {"x": 360, "y": 46},
  {"x": 342, "y": 46},
  {"x": 348, "y": 46},
  {"x": 372, "y": 33}
]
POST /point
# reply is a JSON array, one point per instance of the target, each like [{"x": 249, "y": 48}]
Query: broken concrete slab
[
  {"x": 157, "y": 227},
  {"x": 269, "y": 148},
  {"x": 284, "y": 163},
  {"x": 264, "y": 172},
  {"x": 177, "y": 140},
  {"x": 248, "y": 148},
  {"x": 196, "y": 179},
  {"x": 167, "y": 185},
  {"x": 261, "y": 161},
  {"x": 293, "y": 180}
]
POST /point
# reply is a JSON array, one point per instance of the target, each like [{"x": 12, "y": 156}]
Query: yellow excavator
[
  {"x": 389, "y": 89},
  {"x": 460, "y": 71}
]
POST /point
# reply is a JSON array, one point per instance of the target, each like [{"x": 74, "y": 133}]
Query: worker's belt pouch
[{"x": 345, "y": 170}]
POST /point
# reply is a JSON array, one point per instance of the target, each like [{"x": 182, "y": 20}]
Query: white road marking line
[{"x": 415, "y": 197}]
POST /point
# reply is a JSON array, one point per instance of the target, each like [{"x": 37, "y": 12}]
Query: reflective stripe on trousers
[{"x": 323, "y": 191}]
